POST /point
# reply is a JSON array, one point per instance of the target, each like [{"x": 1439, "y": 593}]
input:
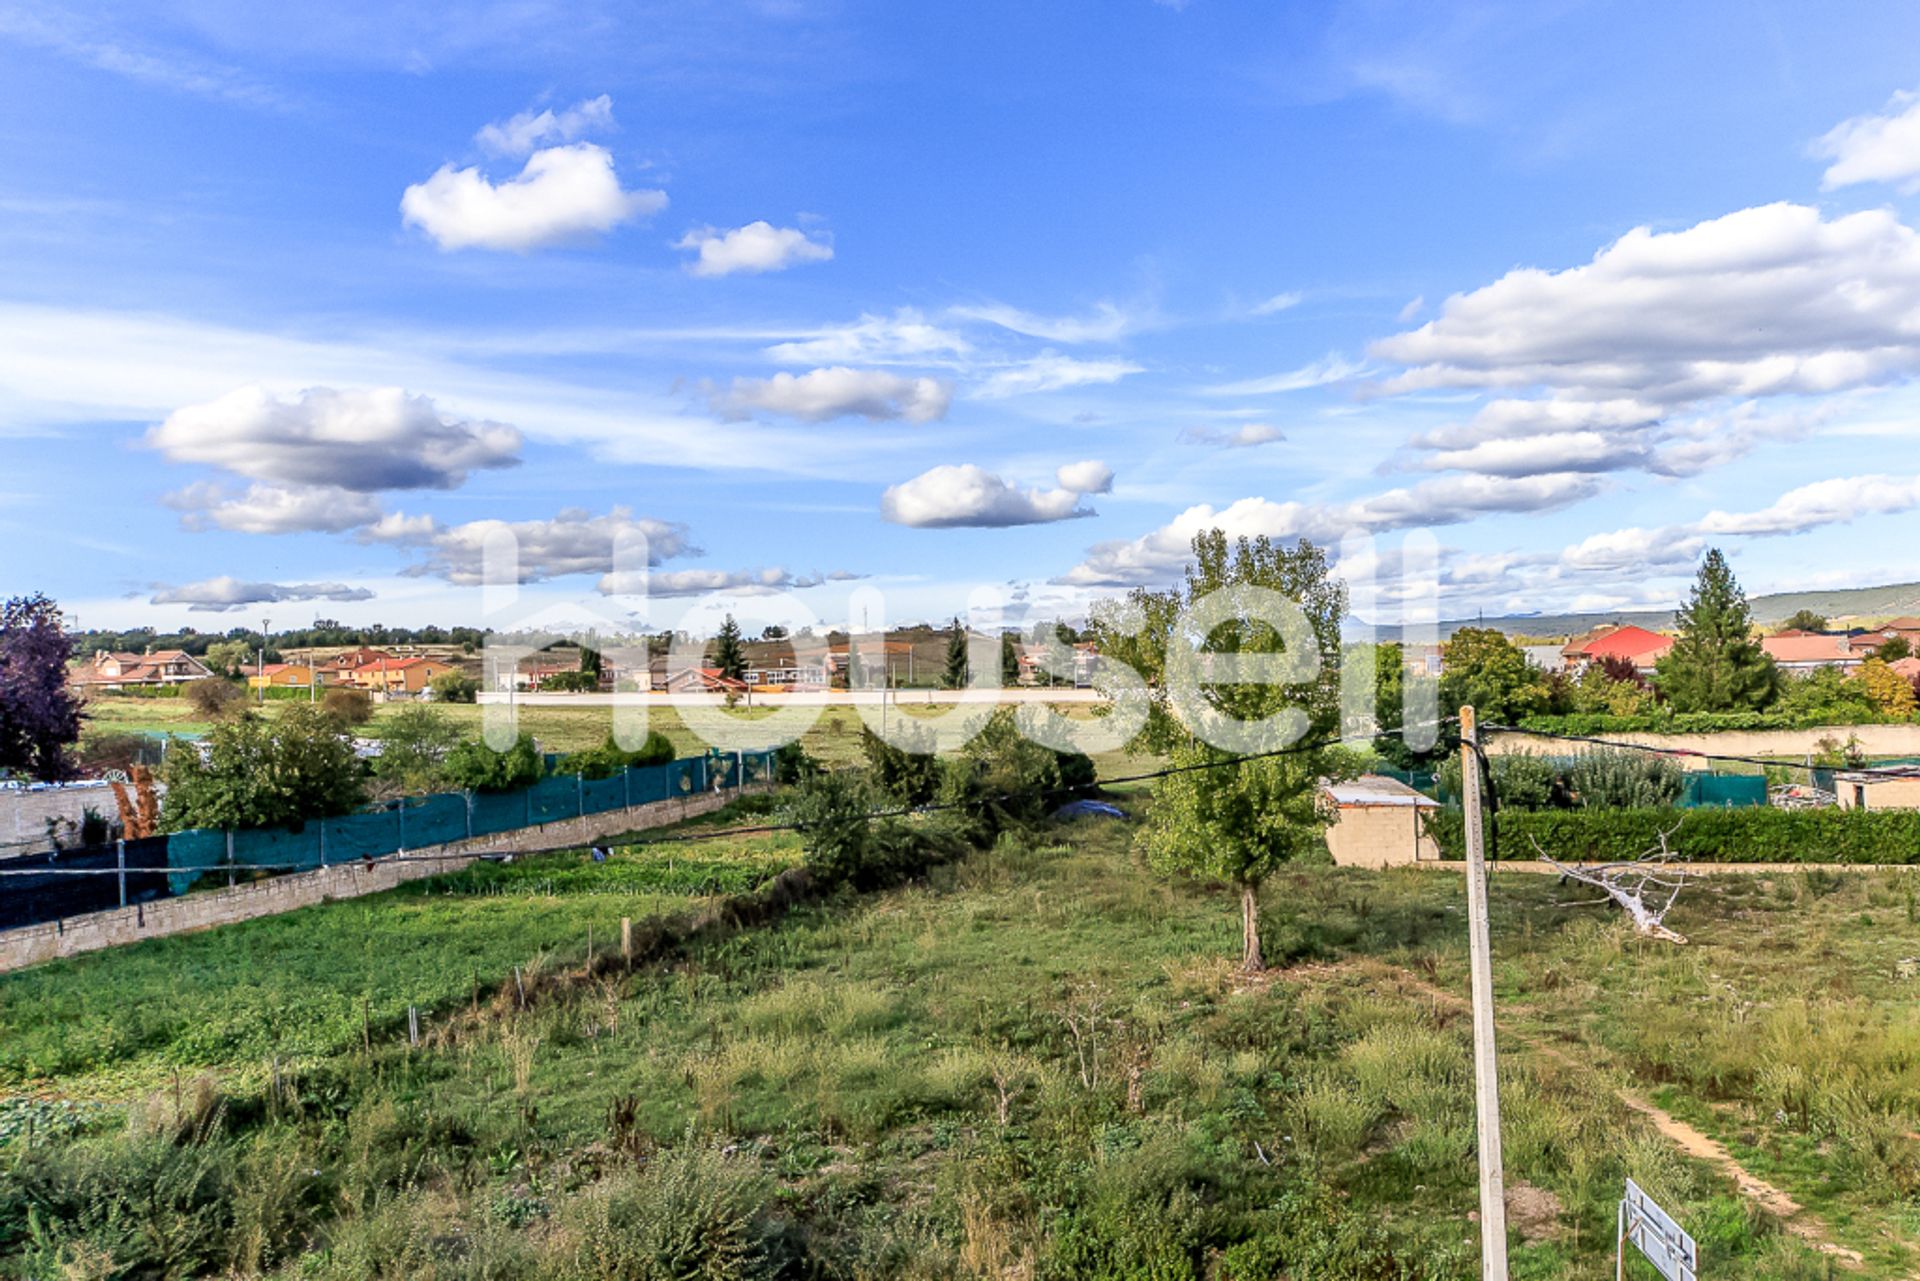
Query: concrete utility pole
[
  {"x": 265, "y": 623},
  {"x": 1486, "y": 1067}
]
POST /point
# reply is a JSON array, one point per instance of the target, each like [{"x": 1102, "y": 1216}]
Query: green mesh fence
[
  {"x": 1719, "y": 791},
  {"x": 421, "y": 821}
]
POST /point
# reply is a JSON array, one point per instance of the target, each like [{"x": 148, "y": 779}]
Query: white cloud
[
  {"x": 1333, "y": 369},
  {"x": 836, "y": 392},
  {"x": 755, "y": 248},
  {"x": 1825, "y": 502},
  {"x": 1050, "y": 371},
  {"x": 1765, "y": 301},
  {"x": 218, "y": 595},
  {"x": 1633, "y": 550},
  {"x": 274, "y": 509},
  {"x": 967, "y": 496},
  {"x": 1089, "y": 477},
  {"x": 700, "y": 582},
  {"x": 573, "y": 542},
  {"x": 526, "y": 132},
  {"x": 1415, "y": 305},
  {"x": 1588, "y": 451},
  {"x": 564, "y": 194},
  {"x": 1279, "y": 303},
  {"x": 360, "y": 440},
  {"x": 905, "y": 337},
  {"x": 1245, "y": 436},
  {"x": 1158, "y": 556},
  {"x": 1879, "y": 147},
  {"x": 1106, "y": 322}
]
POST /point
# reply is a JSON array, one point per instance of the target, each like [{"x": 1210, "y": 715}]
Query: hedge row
[
  {"x": 1749, "y": 835},
  {"x": 1662, "y": 722}
]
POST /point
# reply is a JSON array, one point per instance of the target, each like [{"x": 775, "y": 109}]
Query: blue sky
[{"x": 299, "y": 306}]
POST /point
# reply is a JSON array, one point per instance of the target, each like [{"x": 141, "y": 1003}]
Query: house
[
  {"x": 1807, "y": 651},
  {"x": 1888, "y": 787},
  {"x": 1085, "y": 660},
  {"x": 282, "y": 676},
  {"x": 787, "y": 675},
  {"x": 1908, "y": 669},
  {"x": 118, "y": 671},
  {"x": 1380, "y": 822},
  {"x": 1548, "y": 658},
  {"x": 350, "y": 667},
  {"x": 703, "y": 680},
  {"x": 406, "y": 678},
  {"x": 1637, "y": 645}
]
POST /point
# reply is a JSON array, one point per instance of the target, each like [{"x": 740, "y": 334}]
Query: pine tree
[
  {"x": 956, "y": 673},
  {"x": 728, "y": 654},
  {"x": 1716, "y": 664},
  {"x": 1009, "y": 661}
]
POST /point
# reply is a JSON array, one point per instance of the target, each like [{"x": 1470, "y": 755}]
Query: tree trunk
[{"x": 1251, "y": 961}]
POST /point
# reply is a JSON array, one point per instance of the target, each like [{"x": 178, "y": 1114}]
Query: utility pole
[
  {"x": 1486, "y": 1068},
  {"x": 265, "y": 623}
]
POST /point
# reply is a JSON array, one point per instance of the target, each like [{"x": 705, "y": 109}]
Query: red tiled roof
[
  {"x": 1907, "y": 667},
  {"x": 1807, "y": 649},
  {"x": 1635, "y": 643}
]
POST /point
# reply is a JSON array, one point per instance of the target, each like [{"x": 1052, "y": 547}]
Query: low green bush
[
  {"x": 1747, "y": 835},
  {"x": 1662, "y": 721},
  {"x": 610, "y": 758}
]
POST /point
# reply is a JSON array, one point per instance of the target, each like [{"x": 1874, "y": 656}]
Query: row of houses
[
  {"x": 1794, "y": 651},
  {"x": 376, "y": 671}
]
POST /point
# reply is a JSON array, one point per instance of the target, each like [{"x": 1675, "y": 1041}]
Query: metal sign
[{"x": 1654, "y": 1233}]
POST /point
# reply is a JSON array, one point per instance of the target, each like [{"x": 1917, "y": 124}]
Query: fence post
[
  {"x": 469, "y": 799},
  {"x": 229, "y": 858},
  {"x": 120, "y": 862},
  {"x": 400, "y": 808},
  {"x": 1486, "y": 1076},
  {"x": 529, "y": 807},
  {"x": 580, "y": 795},
  {"x": 626, "y": 786}
]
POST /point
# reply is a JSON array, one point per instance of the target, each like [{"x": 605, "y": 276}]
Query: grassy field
[{"x": 1038, "y": 1063}]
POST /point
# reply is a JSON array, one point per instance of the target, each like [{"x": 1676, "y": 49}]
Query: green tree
[
  {"x": 1481, "y": 667},
  {"x": 454, "y": 687},
  {"x": 590, "y": 658},
  {"x": 909, "y": 772},
  {"x": 474, "y": 766},
  {"x": 264, "y": 773},
  {"x": 1805, "y": 620},
  {"x": 1716, "y": 664},
  {"x": 729, "y": 655},
  {"x": 1893, "y": 649},
  {"x": 955, "y": 676},
  {"x": 414, "y": 743},
  {"x": 1239, "y": 818},
  {"x": 1391, "y": 683},
  {"x": 229, "y": 658},
  {"x": 1009, "y": 660}
]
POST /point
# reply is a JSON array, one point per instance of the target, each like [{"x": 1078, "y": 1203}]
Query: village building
[
  {"x": 1380, "y": 822},
  {"x": 1636, "y": 645},
  {"x": 121, "y": 670}
]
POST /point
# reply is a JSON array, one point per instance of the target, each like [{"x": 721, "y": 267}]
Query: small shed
[
  {"x": 1380, "y": 822},
  {"x": 1887, "y": 787}
]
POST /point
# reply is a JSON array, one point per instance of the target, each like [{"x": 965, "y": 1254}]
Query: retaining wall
[
  {"x": 1875, "y": 740},
  {"x": 93, "y": 931}
]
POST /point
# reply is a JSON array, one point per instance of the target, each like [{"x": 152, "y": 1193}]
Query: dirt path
[{"x": 1704, "y": 1147}]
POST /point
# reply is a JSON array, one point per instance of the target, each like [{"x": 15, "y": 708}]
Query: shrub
[
  {"x": 454, "y": 687},
  {"x": 413, "y": 748},
  {"x": 1521, "y": 780},
  {"x": 476, "y": 767},
  {"x": 610, "y": 758},
  {"x": 692, "y": 1214},
  {"x": 1753, "y": 835},
  {"x": 1077, "y": 772},
  {"x": 261, "y": 773},
  {"x": 215, "y": 698},
  {"x": 908, "y": 773},
  {"x": 348, "y": 706},
  {"x": 791, "y": 764},
  {"x": 1615, "y": 778},
  {"x": 1003, "y": 781},
  {"x": 831, "y": 811},
  {"x": 570, "y": 683}
]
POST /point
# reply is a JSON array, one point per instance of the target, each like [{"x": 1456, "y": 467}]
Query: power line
[{"x": 1882, "y": 771}]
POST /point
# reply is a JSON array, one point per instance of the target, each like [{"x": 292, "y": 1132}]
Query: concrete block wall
[{"x": 96, "y": 930}]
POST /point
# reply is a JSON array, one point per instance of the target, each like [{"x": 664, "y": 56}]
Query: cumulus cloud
[
  {"x": 1588, "y": 451},
  {"x": 526, "y": 132},
  {"x": 1881, "y": 146},
  {"x": 1825, "y": 502},
  {"x": 218, "y": 595},
  {"x": 755, "y": 248},
  {"x": 1158, "y": 556},
  {"x": 1050, "y": 371},
  {"x": 701, "y": 582},
  {"x": 906, "y": 337},
  {"x": 1245, "y": 436},
  {"x": 273, "y": 509},
  {"x": 1634, "y": 550},
  {"x": 1279, "y": 303},
  {"x": 563, "y": 194},
  {"x": 1764, "y": 301},
  {"x": 383, "y": 438},
  {"x": 966, "y": 496},
  {"x": 837, "y": 392},
  {"x": 1106, "y": 322},
  {"x": 573, "y": 542}
]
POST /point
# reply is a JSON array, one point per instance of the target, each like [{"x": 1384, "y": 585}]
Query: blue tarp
[{"x": 1089, "y": 809}]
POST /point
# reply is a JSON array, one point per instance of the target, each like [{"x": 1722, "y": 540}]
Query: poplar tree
[
  {"x": 1716, "y": 664},
  {"x": 956, "y": 674},
  {"x": 728, "y": 653}
]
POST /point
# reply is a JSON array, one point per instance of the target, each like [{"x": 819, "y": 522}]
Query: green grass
[{"x": 1039, "y": 1062}]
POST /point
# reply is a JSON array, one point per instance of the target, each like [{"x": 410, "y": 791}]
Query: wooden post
[
  {"x": 1486, "y": 1079},
  {"x": 626, "y": 937}
]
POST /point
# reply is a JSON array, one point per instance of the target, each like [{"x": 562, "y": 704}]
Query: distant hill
[{"x": 1851, "y": 603}]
